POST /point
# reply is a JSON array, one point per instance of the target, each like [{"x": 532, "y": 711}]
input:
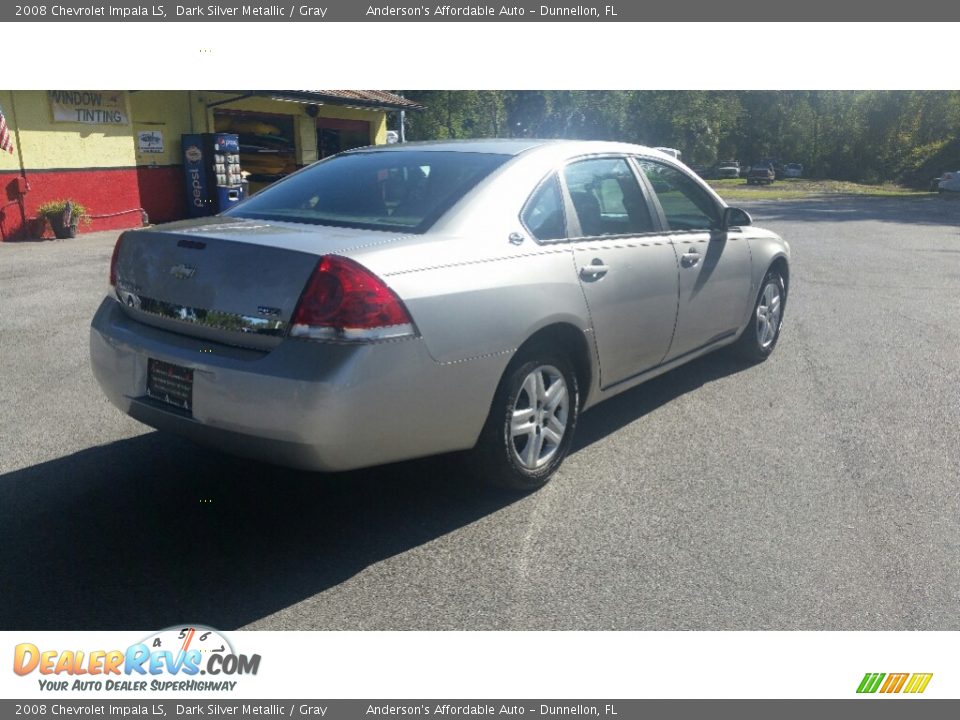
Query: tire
[
  {"x": 759, "y": 338},
  {"x": 520, "y": 451}
]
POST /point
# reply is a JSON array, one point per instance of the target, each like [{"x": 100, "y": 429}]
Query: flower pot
[{"x": 61, "y": 230}]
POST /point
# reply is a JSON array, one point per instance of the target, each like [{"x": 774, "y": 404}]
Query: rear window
[{"x": 404, "y": 190}]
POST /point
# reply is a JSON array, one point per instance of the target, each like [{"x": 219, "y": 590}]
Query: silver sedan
[{"x": 412, "y": 299}]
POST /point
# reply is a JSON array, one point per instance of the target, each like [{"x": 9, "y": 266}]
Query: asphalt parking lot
[{"x": 818, "y": 491}]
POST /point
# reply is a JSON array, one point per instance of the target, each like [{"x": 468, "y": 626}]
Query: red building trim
[
  {"x": 162, "y": 192},
  {"x": 106, "y": 192}
]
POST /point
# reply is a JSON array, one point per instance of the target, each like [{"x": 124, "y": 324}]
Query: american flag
[{"x": 6, "y": 143}]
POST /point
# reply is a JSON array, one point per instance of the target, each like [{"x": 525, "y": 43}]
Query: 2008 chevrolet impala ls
[{"x": 405, "y": 300}]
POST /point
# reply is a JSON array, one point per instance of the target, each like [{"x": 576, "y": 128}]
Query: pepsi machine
[{"x": 211, "y": 163}]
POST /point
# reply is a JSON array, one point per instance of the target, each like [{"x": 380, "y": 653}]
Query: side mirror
[{"x": 735, "y": 217}]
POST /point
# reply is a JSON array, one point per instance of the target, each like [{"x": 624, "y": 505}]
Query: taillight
[
  {"x": 345, "y": 301},
  {"x": 113, "y": 262}
]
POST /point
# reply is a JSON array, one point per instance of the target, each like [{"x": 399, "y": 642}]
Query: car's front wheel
[
  {"x": 531, "y": 423},
  {"x": 760, "y": 336}
]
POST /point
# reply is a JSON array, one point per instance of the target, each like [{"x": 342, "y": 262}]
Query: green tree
[{"x": 870, "y": 136}]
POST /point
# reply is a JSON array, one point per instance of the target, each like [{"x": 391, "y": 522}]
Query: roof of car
[
  {"x": 501, "y": 146},
  {"x": 504, "y": 146}
]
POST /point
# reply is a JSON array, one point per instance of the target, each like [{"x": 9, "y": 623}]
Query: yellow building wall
[
  {"x": 167, "y": 111},
  {"x": 46, "y": 145}
]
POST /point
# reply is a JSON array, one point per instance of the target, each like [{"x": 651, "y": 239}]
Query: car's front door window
[{"x": 686, "y": 205}]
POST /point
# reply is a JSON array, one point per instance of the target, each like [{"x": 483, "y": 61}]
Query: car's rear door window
[{"x": 607, "y": 198}]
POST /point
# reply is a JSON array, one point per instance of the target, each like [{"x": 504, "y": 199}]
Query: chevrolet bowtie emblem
[{"x": 182, "y": 272}]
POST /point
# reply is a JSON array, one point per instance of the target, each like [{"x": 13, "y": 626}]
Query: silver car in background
[
  {"x": 406, "y": 300},
  {"x": 949, "y": 182}
]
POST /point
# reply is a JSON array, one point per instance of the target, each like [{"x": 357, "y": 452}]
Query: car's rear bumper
[{"x": 315, "y": 406}]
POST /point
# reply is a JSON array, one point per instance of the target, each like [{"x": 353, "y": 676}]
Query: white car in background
[
  {"x": 672, "y": 152},
  {"x": 728, "y": 169},
  {"x": 950, "y": 182},
  {"x": 793, "y": 170}
]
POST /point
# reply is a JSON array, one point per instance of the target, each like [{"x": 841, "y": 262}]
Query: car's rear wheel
[
  {"x": 531, "y": 424},
  {"x": 760, "y": 336}
]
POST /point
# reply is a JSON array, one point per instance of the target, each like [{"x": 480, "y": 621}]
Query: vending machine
[{"x": 211, "y": 164}]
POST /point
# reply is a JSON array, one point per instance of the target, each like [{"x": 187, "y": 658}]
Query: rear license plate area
[{"x": 170, "y": 384}]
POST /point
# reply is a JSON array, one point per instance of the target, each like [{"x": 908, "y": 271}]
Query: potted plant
[{"x": 64, "y": 217}]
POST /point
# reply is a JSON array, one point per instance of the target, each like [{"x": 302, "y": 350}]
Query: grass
[{"x": 798, "y": 188}]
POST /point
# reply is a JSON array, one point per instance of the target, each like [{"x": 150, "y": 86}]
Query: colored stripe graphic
[
  {"x": 918, "y": 683},
  {"x": 870, "y": 682},
  {"x": 894, "y": 682}
]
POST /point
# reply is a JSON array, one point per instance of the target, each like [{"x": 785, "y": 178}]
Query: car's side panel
[
  {"x": 491, "y": 307},
  {"x": 715, "y": 287},
  {"x": 765, "y": 249},
  {"x": 633, "y": 304}
]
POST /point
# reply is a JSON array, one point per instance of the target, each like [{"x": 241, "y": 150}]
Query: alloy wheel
[
  {"x": 538, "y": 419},
  {"x": 768, "y": 315}
]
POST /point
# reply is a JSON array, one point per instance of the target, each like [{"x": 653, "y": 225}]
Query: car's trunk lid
[{"x": 228, "y": 280}]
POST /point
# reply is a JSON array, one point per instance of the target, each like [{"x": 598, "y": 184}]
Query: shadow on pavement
[
  {"x": 153, "y": 531},
  {"x": 632, "y": 405}
]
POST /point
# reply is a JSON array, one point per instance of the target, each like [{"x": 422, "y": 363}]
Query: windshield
[{"x": 404, "y": 190}]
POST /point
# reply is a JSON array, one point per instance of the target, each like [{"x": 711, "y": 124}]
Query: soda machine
[{"x": 211, "y": 164}]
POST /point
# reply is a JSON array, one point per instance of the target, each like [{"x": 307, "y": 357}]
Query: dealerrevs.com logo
[
  {"x": 894, "y": 683},
  {"x": 182, "y": 658}
]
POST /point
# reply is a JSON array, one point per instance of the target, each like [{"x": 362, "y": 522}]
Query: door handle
[
  {"x": 594, "y": 271},
  {"x": 689, "y": 259}
]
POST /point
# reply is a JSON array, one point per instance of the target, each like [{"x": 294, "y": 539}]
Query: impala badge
[{"x": 182, "y": 272}]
